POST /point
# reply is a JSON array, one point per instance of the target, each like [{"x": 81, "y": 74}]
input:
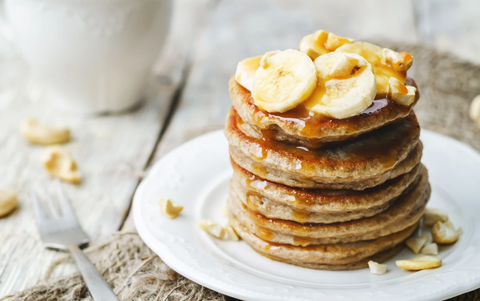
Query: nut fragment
[
  {"x": 37, "y": 133},
  {"x": 416, "y": 243},
  {"x": 231, "y": 234},
  {"x": 60, "y": 164},
  {"x": 419, "y": 263},
  {"x": 475, "y": 111},
  {"x": 8, "y": 201},
  {"x": 212, "y": 228},
  {"x": 224, "y": 211},
  {"x": 346, "y": 66},
  {"x": 334, "y": 41},
  {"x": 396, "y": 90},
  {"x": 430, "y": 249},
  {"x": 445, "y": 233},
  {"x": 169, "y": 208},
  {"x": 433, "y": 215},
  {"x": 264, "y": 61},
  {"x": 314, "y": 44},
  {"x": 377, "y": 268},
  {"x": 399, "y": 61}
]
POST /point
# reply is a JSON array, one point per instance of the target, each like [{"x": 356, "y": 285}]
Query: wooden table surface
[{"x": 187, "y": 97}]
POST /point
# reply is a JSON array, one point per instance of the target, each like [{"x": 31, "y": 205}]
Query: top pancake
[{"x": 298, "y": 127}]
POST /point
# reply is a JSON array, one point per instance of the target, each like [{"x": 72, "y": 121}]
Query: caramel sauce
[
  {"x": 300, "y": 216},
  {"x": 264, "y": 233},
  {"x": 311, "y": 124},
  {"x": 268, "y": 235},
  {"x": 382, "y": 145}
]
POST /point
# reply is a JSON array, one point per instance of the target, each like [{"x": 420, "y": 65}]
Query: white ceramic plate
[{"x": 197, "y": 175}]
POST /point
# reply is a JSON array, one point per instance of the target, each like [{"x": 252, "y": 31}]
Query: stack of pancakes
[{"x": 325, "y": 193}]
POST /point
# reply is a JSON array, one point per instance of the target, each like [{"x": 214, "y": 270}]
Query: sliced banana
[
  {"x": 334, "y": 41},
  {"x": 283, "y": 80},
  {"x": 374, "y": 55},
  {"x": 321, "y": 42},
  {"x": 445, "y": 233},
  {"x": 246, "y": 70},
  {"x": 346, "y": 85},
  {"x": 419, "y": 263},
  {"x": 314, "y": 44}
]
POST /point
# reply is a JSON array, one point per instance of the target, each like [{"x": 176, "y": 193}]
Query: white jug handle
[{"x": 5, "y": 28}]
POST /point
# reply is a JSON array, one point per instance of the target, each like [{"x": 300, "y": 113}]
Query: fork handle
[{"x": 98, "y": 287}]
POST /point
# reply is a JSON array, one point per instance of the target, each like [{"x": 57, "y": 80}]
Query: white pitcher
[{"x": 89, "y": 56}]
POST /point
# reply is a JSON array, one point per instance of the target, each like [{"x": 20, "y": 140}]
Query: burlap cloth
[{"x": 447, "y": 87}]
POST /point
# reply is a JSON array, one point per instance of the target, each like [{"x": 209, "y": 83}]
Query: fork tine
[
  {"x": 67, "y": 209},
  {"x": 40, "y": 212}
]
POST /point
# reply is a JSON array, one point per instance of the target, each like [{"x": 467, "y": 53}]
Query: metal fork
[{"x": 65, "y": 233}]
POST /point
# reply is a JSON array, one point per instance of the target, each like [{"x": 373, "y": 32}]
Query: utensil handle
[{"x": 98, "y": 287}]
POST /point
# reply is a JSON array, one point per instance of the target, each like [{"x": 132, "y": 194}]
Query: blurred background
[{"x": 187, "y": 94}]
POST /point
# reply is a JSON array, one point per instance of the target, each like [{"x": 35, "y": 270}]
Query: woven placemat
[{"x": 447, "y": 86}]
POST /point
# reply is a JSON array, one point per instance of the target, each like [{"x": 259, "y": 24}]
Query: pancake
[
  {"x": 337, "y": 256},
  {"x": 316, "y": 205},
  {"x": 298, "y": 127},
  {"x": 404, "y": 212},
  {"x": 362, "y": 263},
  {"x": 366, "y": 161},
  {"x": 271, "y": 209}
]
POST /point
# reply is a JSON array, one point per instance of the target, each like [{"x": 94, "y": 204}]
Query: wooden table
[{"x": 187, "y": 97}]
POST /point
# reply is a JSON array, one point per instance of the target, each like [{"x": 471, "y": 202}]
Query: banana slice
[
  {"x": 374, "y": 55},
  {"x": 346, "y": 85},
  {"x": 419, "y": 263},
  {"x": 321, "y": 42},
  {"x": 284, "y": 80},
  {"x": 314, "y": 44},
  {"x": 246, "y": 70},
  {"x": 334, "y": 41}
]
